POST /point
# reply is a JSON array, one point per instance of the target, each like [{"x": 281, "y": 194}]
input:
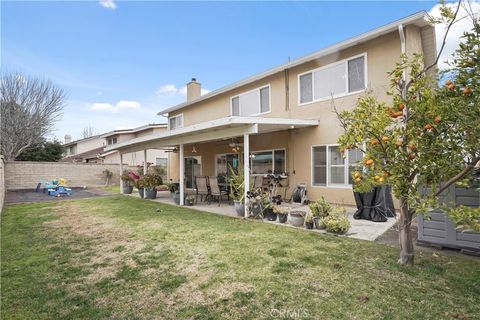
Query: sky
[{"x": 121, "y": 62}]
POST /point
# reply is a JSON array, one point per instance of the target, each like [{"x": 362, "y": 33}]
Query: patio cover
[
  {"x": 223, "y": 128},
  {"x": 219, "y": 129}
]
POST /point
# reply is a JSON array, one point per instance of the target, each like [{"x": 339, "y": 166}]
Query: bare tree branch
[{"x": 29, "y": 107}]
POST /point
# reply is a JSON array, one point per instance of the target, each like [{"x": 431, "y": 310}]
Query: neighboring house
[
  {"x": 83, "y": 150},
  {"x": 91, "y": 149},
  {"x": 281, "y": 120}
]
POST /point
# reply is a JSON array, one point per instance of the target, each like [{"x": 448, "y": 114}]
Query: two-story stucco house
[
  {"x": 282, "y": 119},
  {"x": 92, "y": 149}
]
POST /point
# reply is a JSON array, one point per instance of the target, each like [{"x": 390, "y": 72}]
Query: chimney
[
  {"x": 194, "y": 90},
  {"x": 68, "y": 138}
]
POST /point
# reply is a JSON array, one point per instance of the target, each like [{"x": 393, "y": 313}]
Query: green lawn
[
  {"x": 122, "y": 257},
  {"x": 112, "y": 188}
]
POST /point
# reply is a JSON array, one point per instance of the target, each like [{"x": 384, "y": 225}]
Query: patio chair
[
  {"x": 257, "y": 182},
  {"x": 201, "y": 189},
  {"x": 215, "y": 191}
]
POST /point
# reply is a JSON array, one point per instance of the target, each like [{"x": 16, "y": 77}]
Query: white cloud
[
  {"x": 128, "y": 104},
  {"x": 167, "y": 90},
  {"x": 110, "y": 4},
  {"x": 462, "y": 24},
  {"x": 104, "y": 107},
  {"x": 107, "y": 107}
]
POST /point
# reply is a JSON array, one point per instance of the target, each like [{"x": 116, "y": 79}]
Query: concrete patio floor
[{"x": 361, "y": 229}]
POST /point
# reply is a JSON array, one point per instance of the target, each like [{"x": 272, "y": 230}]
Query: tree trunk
[{"x": 405, "y": 234}]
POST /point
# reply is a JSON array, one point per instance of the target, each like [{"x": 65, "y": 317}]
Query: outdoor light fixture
[{"x": 194, "y": 150}]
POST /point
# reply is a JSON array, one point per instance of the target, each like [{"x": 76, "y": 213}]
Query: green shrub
[
  {"x": 337, "y": 221},
  {"x": 320, "y": 208}
]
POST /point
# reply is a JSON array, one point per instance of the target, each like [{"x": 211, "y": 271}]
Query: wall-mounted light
[{"x": 194, "y": 150}]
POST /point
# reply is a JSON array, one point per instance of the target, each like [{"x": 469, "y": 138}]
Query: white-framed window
[
  {"x": 333, "y": 80},
  {"x": 161, "y": 161},
  {"x": 329, "y": 168},
  {"x": 175, "y": 122},
  {"x": 251, "y": 103},
  {"x": 268, "y": 161},
  {"x": 111, "y": 141}
]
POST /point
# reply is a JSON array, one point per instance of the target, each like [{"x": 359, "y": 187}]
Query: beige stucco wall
[
  {"x": 382, "y": 53},
  {"x": 26, "y": 174},
  {"x": 87, "y": 145}
]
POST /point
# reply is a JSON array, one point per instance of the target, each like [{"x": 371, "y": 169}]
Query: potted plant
[
  {"x": 237, "y": 190},
  {"x": 139, "y": 183},
  {"x": 127, "y": 182},
  {"x": 189, "y": 200},
  {"x": 320, "y": 209},
  {"x": 282, "y": 213},
  {"x": 108, "y": 175},
  {"x": 174, "y": 191},
  {"x": 150, "y": 182},
  {"x": 297, "y": 218},
  {"x": 337, "y": 221},
  {"x": 309, "y": 220}
]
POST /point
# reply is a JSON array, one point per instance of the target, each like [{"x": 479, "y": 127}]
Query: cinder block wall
[
  {"x": 2, "y": 183},
  {"x": 26, "y": 174}
]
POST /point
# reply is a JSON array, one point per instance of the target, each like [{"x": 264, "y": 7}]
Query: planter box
[{"x": 440, "y": 230}]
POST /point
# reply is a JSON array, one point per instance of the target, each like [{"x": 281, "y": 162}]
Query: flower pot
[
  {"x": 256, "y": 211},
  {"x": 309, "y": 225},
  {"x": 282, "y": 217},
  {"x": 150, "y": 193},
  {"x": 176, "y": 197},
  {"x": 239, "y": 208},
  {"x": 127, "y": 189},
  {"x": 297, "y": 218},
  {"x": 189, "y": 201},
  {"x": 319, "y": 223},
  {"x": 269, "y": 214},
  {"x": 141, "y": 192}
]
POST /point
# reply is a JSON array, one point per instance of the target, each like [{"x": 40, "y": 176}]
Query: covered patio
[
  {"x": 360, "y": 229},
  {"x": 211, "y": 132}
]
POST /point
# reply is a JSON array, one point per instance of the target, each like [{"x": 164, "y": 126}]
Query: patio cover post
[
  {"x": 246, "y": 169},
  {"x": 182, "y": 175},
  {"x": 121, "y": 172},
  {"x": 145, "y": 161}
]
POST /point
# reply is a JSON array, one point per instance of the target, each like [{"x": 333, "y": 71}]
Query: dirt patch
[{"x": 110, "y": 246}]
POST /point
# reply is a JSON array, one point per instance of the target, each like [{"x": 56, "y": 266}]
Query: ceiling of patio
[{"x": 214, "y": 130}]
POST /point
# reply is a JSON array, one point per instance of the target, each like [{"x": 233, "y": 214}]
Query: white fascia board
[
  {"x": 212, "y": 126},
  {"x": 419, "y": 17}
]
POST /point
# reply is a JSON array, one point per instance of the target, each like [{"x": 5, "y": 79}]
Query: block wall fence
[{"x": 27, "y": 174}]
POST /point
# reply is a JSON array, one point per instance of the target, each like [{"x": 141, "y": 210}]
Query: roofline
[
  {"x": 133, "y": 130},
  {"x": 393, "y": 26},
  {"x": 81, "y": 140},
  {"x": 227, "y": 121}
]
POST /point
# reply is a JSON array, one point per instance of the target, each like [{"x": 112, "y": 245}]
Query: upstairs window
[
  {"x": 175, "y": 122},
  {"x": 111, "y": 141},
  {"x": 333, "y": 80},
  {"x": 251, "y": 103}
]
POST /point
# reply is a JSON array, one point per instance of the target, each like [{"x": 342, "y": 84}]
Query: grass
[
  {"x": 112, "y": 188},
  {"x": 121, "y": 257}
]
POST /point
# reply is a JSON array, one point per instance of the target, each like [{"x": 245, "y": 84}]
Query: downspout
[{"x": 402, "y": 47}]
